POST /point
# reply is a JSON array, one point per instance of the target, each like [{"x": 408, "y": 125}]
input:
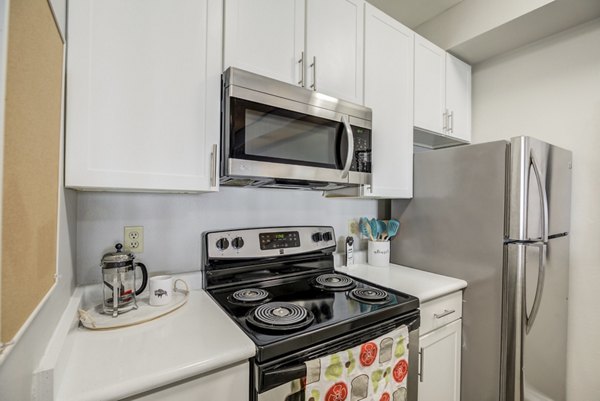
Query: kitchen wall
[
  {"x": 551, "y": 90},
  {"x": 174, "y": 223},
  {"x": 16, "y": 370}
]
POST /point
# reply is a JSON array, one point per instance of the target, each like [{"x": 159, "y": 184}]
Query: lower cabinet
[
  {"x": 228, "y": 384},
  {"x": 439, "y": 370},
  {"x": 440, "y": 350}
]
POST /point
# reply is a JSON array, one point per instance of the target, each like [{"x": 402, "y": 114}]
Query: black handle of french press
[{"x": 144, "y": 278}]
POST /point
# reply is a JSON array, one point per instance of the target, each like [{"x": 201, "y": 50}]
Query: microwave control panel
[{"x": 362, "y": 150}]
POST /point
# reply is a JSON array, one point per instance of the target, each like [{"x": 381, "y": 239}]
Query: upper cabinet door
[
  {"x": 389, "y": 55},
  {"x": 334, "y": 46},
  {"x": 266, "y": 37},
  {"x": 458, "y": 98},
  {"x": 143, "y": 94},
  {"x": 429, "y": 85}
]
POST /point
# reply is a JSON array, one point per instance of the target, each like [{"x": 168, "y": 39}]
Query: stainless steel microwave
[{"x": 274, "y": 134}]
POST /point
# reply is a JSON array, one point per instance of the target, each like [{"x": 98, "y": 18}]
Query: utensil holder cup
[{"x": 378, "y": 253}]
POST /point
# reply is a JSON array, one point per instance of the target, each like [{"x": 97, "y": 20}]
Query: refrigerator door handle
[
  {"x": 543, "y": 197},
  {"x": 530, "y": 318}
]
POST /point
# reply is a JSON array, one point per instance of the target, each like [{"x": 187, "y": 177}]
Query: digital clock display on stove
[{"x": 288, "y": 239}]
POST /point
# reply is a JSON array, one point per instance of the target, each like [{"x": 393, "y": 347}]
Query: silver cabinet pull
[
  {"x": 350, "y": 156},
  {"x": 451, "y": 122},
  {"x": 445, "y": 122},
  {"x": 445, "y": 313},
  {"x": 314, "y": 67},
  {"x": 213, "y": 166},
  {"x": 421, "y": 365},
  {"x": 302, "y": 83}
]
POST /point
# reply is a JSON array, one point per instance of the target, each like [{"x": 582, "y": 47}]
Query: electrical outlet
[
  {"x": 134, "y": 239},
  {"x": 353, "y": 227}
]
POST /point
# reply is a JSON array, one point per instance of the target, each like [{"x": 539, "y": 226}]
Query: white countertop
[
  {"x": 195, "y": 339},
  {"x": 423, "y": 285}
]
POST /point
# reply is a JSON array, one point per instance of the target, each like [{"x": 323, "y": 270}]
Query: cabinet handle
[
  {"x": 445, "y": 122},
  {"x": 421, "y": 360},
  {"x": 302, "y": 71},
  {"x": 445, "y": 313},
  {"x": 451, "y": 121},
  {"x": 314, "y": 67},
  {"x": 213, "y": 166}
]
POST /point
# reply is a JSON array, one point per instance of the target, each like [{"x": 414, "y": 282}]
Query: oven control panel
[
  {"x": 268, "y": 242},
  {"x": 278, "y": 239}
]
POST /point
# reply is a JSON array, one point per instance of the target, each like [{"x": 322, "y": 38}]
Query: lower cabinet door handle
[{"x": 445, "y": 313}]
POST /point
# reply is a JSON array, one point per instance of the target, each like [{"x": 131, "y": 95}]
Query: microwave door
[{"x": 277, "y": 135}]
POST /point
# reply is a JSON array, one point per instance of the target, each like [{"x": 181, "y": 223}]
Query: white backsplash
[{"x": 174, "y": 223}]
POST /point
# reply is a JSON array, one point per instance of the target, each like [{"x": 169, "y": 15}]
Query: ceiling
[{"x": 413, "y": 13}]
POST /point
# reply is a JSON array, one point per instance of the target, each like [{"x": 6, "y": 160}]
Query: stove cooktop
[
  {"x": 279, "y": 285},
  {"x": 320, "y": 314}
]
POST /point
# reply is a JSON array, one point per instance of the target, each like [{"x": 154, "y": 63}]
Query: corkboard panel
[{"x": 34, "y": 73}]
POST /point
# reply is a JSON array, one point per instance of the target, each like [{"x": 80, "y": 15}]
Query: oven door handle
[{"x": 268, "y": 380}]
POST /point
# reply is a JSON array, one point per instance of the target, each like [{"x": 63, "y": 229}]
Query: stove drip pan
[
  {"x": 370, "y": 295},
  {"x": 334, "y": 282},
  {"x": 280, "y": 316}
]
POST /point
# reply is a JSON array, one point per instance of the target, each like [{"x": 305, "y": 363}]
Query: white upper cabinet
[
  {"x": 442, "y": 91},
  {"x": 388, "y": 90},
  {"x": 334, "y": 48},
  {"x": 458, "y": 98},
  {"x": 143, "y": 95},
  {"x": 429, "y": 85},
  {"x": 311, "y": 43},
  {"x": 265, "y": 37}
]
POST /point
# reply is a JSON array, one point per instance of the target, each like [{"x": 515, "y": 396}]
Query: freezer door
[
  {"x": 540, "y": 190},
  {"x": 535, "y": 317}
]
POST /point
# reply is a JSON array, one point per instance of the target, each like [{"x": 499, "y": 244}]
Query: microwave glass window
[{"x": 281, "y": 137}]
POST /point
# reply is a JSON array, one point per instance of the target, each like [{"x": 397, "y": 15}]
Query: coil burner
[
  {"x": 250, "y": 296},
  {"x": 280, "y": 316},
  {"x": 370, "y": 295},
  {"x": 334, "y": 282}
]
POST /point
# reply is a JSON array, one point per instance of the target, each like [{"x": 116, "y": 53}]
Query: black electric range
[{"x": 280, "y": 287}]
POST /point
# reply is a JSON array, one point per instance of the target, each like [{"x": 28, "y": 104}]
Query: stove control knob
[
  {"x": 327, "y": 236},
  {"x": 222, "y": 244},
  {"x": 237, "y": 243},
  {"x": 317, "y": 237}
]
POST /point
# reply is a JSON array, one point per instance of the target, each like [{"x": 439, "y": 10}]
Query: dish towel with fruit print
[{"x": 374, "y": 371}]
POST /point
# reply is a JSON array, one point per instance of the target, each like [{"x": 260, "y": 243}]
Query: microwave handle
[{"x": 350, "y": 155}]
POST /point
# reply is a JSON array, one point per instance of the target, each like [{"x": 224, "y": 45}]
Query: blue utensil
[
  {"x": 365, "y": 228},
  {"x": 382, "y": 226},
  {"x": 374, "y": 228},
  {"x": 392, "y": 228}
]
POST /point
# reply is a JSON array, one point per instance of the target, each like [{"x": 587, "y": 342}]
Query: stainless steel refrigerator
[{"x": 497, "y": 215}]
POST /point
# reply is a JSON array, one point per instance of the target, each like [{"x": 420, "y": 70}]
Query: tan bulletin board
[{"x": 34, "y": 73}]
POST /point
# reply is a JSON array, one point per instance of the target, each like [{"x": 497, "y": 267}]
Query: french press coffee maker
[{"x": 118, "y": 275}]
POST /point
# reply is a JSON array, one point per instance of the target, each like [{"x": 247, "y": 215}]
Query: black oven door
[
  {"x": 267, "y": 136},
  {"x": 278, "y": 380}
]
